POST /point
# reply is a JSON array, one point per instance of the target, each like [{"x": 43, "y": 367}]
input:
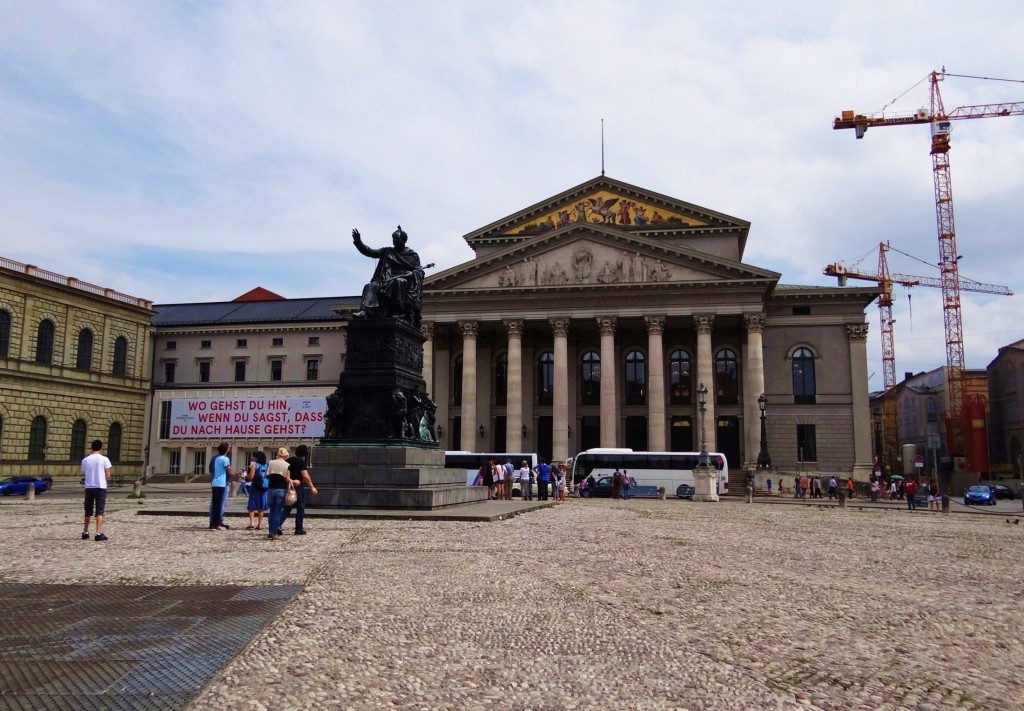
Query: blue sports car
[
  {"x": 980, "y": 494},
  {"x": 18, "y": 485}
]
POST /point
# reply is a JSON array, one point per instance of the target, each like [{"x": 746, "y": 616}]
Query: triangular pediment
[
  {"x": 614, "y": 204},
  {"x": 592, "y": 255}
]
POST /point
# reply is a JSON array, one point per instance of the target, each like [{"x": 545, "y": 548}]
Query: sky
[{"x": 191, "y": 151}]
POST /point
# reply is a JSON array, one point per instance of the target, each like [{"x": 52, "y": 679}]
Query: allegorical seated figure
[{"x": 396, "y": 289}]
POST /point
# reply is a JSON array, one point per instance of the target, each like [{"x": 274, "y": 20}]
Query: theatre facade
[{"x": 591, "y": 319}]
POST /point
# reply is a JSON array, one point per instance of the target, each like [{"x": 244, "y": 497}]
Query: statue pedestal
[
  {"x": 704, "y": 486},
  {"x": 387, "y": 477},
  {"x": 380, "y": 451}
]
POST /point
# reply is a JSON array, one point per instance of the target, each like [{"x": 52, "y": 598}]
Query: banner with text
[{"x": 231, "y": 417}]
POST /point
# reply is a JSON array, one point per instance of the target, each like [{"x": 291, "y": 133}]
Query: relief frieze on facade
[{"x": 585, "y": 264}]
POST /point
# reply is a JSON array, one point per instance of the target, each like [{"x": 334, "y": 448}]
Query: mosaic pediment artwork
[{"x": 606, "y": 208}]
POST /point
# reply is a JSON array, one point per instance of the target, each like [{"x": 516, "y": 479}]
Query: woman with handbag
[{"x": 278, "y": 484}]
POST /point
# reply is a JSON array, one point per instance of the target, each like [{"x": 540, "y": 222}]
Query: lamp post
[
  {"x": 704, "y": 475},
  {"x": 764, "y": 461}
]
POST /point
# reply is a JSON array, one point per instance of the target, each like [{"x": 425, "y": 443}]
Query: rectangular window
[
  {"x": 205, "y": 344},
  {"x": 172, "y": 345},
  {"x": 165, "y": 419},
  {"x": 277, "y": 342},
  {"x": 312, "y": 369},
  {"x": 275, "y": 369},
  {"x": 169, "y": 371},
  {"x": 241, "y": 342},
  {"x": 174, "y": 461},
  {"x": 314, "y": 340},
  {"x": 806, "y": 443},
  {"x": 239, "y": 371},
  {"x": 204, "y": 371},
  {"x": 801, "y": 310}
]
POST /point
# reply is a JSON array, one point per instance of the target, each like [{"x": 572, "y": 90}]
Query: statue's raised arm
[{"x": 396, "y": 289}]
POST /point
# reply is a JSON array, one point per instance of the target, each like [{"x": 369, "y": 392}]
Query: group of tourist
[
  {"x": 268, "y": 484},
  {"x": 501, "y": 478}
]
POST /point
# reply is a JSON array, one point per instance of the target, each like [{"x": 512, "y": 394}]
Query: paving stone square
[{"x": 589, "y": 604}]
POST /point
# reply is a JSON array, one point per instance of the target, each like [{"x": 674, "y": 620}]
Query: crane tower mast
[{"x": 949, "y": 270}]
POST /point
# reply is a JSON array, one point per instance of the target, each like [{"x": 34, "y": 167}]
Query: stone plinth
[
  {"x": 704, "y": 487},
  {"x": 387, "y": 477}
]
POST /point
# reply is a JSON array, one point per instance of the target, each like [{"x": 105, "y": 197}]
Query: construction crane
[
  {"x": 940, "y": 121},
  {"x": 885, "y": 281}
]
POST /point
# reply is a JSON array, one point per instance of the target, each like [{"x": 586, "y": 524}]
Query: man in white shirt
[{"x": 95, "y": 475}]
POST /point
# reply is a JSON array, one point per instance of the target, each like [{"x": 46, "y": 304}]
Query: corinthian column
[
  {"x": 706, "y": 374},
  {"x": 655, "y": 384},
  {"x": 858, "y": 335},
  {"x": 469, "y": 331},
  {"x": 514, "y": 383},
  {"x": 753, "y": 386},
  {"x": 609, "y": 430},
  {"x": 560, "y": 399},
  {"x": 427, "y": 329}
]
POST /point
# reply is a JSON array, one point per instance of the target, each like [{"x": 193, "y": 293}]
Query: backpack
[{"x": 261, "y": 482}]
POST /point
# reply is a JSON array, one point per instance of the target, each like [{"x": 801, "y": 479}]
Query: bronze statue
[{"x": 396, "y": 289}]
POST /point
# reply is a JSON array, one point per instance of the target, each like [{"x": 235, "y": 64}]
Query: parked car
[
  {"x": 603, "y": 488},
  {"x": 18, "y": 485},
  {"x": 1003, "y": 491},
  {"x": 685, "y": 491},
  {"x": 980, "y": 494}
]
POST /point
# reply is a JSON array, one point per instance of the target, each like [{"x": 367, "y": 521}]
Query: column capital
[
  {"x": 427, "y": 329},
  {"x": 703, "y": 322},
  {"x": 514, "y": 329},
  {"x": 469, "y": 328},
  {"x": 606, "y": 325},
  {"x": 655, "y": 324},
  {"x": 754, "y": 323},
  {"x": 560, "y": 326},
  {"x": 857, "y": 331}
]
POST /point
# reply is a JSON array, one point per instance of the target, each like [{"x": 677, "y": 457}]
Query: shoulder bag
[{"x": 291, "y": 495}]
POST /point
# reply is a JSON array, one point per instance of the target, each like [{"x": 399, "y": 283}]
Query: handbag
[{"x": 290, "y": 496}]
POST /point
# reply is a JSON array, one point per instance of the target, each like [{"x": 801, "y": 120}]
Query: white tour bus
[
  {"x": 472, "y": 461},
  {"x": 668, "y": 469}
]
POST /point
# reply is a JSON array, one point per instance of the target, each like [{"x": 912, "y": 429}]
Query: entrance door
[
  {"x": 545, "y": 445},
  {"x": 636, "y": 433},
  {"x": 456, "y": 434},
  {"x": 681, "y": 438},
  {"x": 499, "y": 434},
  {"x": 728, "y": 432},
  {"x": 590, "y": 432}
]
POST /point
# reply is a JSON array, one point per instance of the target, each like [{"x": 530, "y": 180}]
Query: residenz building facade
[{"x": 589, "y": 319}]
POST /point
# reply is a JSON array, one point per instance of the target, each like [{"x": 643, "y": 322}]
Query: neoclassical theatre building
[{"x": 591, "y": 319}]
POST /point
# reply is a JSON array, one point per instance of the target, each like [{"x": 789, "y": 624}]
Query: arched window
[
  {"x": 120, "y": 357},
  {"x": 590, "y": 378},
  {"x": 5, "y": 333},
  {"x": 77, "y": 452},
  {"x": 545, "y": 378},
  {"x": 680, "y": 377},
  {"x": 114, "y": 443},
  {"x": 804, "y": 389},
  {"x": 501, "y": 380},
  {"x": 457, "y": 381},
  {"x": 44, "y": 342},
  {"x": 84, "y": 360},
  {"x": 37, "y": 439},
  {"x": 726, "y": 378},
  {"x": 636, "y": 378},
  {"x": 1012, "y": 404}
]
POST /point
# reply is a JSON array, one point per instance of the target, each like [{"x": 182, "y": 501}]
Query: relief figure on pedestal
[
  {"x": 529, "y": 272},
  {"x": 607, "y": 273},
  {"x": 582, "y": 260},
  {"x": 507, "y": 277},
  {"x": 396, "y": 288}
]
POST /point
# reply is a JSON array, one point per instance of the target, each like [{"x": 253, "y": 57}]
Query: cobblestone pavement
[{"x": 590, "y": 604}]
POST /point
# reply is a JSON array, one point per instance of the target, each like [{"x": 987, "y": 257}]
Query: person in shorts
[{"x": 95, "y": 475}]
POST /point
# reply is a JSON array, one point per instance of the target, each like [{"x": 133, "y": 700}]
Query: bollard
[
  {"x": 842, "y": 498},
  {"x": 137, "y": 489},
  {"x": 945, "y": 503},
  {"x": 31, "y": 493}
]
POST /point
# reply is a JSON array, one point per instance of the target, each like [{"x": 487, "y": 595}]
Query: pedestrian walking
[
  {"x": 302, "y": 483},
  {"x": 910, "y": 490},
  {"x": 833, "y": 488},
  {"x": 769, "y": 487},
  {"x": 510, "y": 471},
  {"x": 221, "y": 467},
  {"x": 933, "y": 495},
  {"x": 95, "y": 475},
  {"x": 257, "y": 480},
  {"x": 616, "y": 483},
  {"x": 277, "y": 484},
  {"x": 625, "y": 484},
  {"x": 543, "y": 479},
  {"x": 526, "y": 481}
]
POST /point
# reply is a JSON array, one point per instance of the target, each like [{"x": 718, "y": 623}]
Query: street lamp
[
  {"x": 482, "y": 432},
  {"x": 702, "y": 401},
  {"x": 763, "y": 460}
]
